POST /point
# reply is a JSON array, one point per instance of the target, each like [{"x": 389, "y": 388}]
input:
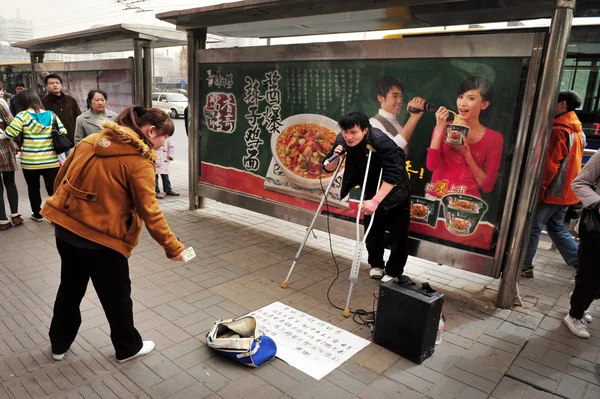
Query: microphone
[{"x": 333, "y": 157}]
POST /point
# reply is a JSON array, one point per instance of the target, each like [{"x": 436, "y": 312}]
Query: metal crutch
[
  {"x": 360, "y": 244},
  {"x": 310, "y": 228}
]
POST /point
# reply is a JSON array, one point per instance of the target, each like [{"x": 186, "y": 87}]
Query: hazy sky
[
  {"x": 64, "y": 16},
  {"x": 53, "y": 17}
]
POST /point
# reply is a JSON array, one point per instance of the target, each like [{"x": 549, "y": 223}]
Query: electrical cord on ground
[{"x": 360, "y": 313}]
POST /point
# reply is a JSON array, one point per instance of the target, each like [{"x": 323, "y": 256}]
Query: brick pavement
[{"x": 242, "y": 259}]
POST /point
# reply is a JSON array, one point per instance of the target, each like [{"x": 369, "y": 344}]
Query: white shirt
[{"x": 399, "y": 140}]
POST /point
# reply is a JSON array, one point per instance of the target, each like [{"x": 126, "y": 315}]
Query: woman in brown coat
[{"x": 102, "y": 194}]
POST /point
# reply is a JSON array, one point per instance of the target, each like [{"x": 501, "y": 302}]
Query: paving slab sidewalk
[{"x": 242, "y": 258}]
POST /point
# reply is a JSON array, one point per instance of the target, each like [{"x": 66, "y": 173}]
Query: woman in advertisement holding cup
[{"x": 465, "y": 156}]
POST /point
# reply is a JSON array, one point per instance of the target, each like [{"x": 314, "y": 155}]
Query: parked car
[{"x": 172, "y": 103}]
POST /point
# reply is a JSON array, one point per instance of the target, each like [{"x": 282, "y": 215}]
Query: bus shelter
[
  {"x": 246, "y": 102},
  {"x": 128, "y": 80}
]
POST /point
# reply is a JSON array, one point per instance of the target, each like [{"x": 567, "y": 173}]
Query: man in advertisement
[
  {"x": 563, "y": 163},
  {"x": 390, "y": 203},
  {"x": 388, "y": 94},
  {"x": 64, "y": 106}
]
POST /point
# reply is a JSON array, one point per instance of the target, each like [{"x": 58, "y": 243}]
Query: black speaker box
[{"x": 407, "y": 318}]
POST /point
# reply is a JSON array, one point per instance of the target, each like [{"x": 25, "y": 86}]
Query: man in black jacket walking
[
  {"x": 64, "y": 106},
  {"x": 389, "y": 203}
]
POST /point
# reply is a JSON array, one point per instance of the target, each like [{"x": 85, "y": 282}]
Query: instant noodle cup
[
  {"x": 301, "y": 147},
  {"x": 423, "y": 210},
  {"x": 456, "y": 134},
  {"x": 463, "y": 213}
]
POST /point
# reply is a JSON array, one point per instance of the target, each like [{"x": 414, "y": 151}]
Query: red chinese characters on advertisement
[{"x": 220, "y": 112}]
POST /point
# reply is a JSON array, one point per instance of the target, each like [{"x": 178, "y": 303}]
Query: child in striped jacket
[{"x": 38, "y": 158}]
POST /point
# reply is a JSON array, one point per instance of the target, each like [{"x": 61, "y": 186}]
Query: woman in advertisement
[{"x": 468, "y": 163}]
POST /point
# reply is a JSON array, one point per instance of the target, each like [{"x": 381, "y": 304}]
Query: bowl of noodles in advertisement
[
  {"x": 463, "y": 213},
  {"x": 456, "y": 134},
  {"x": 301, "y": 147},
  {"x": 423, "y": 210}
]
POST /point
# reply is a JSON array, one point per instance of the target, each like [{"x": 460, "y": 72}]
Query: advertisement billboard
[{"x": 268, "y": 125}]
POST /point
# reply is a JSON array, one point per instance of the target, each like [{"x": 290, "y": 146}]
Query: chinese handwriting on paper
[
  {"x": 312, "y": 338},
  {"x": 220, "y": 112}
]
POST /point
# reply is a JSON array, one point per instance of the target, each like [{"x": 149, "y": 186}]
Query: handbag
[
  {"x": 589, "y": 220},
  {"x": 62, "y": 142},
  {"x": 240, "y": 340}
]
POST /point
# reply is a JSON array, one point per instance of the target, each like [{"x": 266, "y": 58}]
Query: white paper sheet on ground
[{"x": 305, "y": 342}]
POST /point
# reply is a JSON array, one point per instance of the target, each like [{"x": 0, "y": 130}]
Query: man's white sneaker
[
  {"x": 577, "y": 326},
  {"x": 376, "y": 273},
  {"x": 58, "y": 357},
  {"x": 386, "y": 278},
  {"x": 146, "y": 348},
  {"x": 587, "y": 315}
]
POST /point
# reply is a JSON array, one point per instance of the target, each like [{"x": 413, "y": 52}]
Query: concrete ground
[{"x": 242, "y": 258}]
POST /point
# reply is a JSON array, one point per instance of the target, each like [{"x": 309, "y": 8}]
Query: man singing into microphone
[{"x": 390, "y": 203}]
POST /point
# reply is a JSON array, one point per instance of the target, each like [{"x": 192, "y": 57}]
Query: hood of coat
[
  {"x": 570, "y": 121},
  {"x": 116, "y": 140}
]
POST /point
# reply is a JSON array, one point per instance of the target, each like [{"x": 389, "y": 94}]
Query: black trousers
[
  {"x": 587, "y": 281},
  {"x": 109, "y": 271},
  {"x": 11, "y": 193},
  {"x": 32, "y": 177},
  {"x": 396, "y": 220}
]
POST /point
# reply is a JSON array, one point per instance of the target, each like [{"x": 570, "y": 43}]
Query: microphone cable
[{"x": 366, "y": 318}]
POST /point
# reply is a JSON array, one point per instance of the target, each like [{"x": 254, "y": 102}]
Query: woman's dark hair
[
  {"x": 383, "y": 85},
  {"x": 477, "y": 83},
  {"x": 136, "y": 116},
  {"x": 355, "y": 118},
  {"x": 29, "y": 98},
  {"x": 485, "y": 88},
  {"x": 91, "y": 96}
]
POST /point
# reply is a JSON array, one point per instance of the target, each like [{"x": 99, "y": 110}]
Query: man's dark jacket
[
  {"x": 66, "y": 108},
  {"x": 387, "y": 155}
]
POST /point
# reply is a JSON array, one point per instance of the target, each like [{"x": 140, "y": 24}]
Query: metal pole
[
  {"x": 560, "y": 29},
  {"x": 36, "y": 57},
  {"x": 138, "y": 72},
  {"x": 533, "y": 74},
  {"x": 360, "y": 244},
  {"x": 312, "y": 223},
  {"x": 147, "y": 75},
  {"x": 196, "y": 41}
]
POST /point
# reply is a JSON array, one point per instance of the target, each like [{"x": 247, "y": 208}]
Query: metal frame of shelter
[
  {"x": 122, "y": 37},
  {"x": 546, "y": 52}
]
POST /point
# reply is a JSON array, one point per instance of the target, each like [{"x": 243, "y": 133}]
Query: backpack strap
[{"x": 387, "y": 125}]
